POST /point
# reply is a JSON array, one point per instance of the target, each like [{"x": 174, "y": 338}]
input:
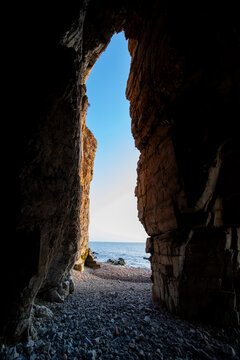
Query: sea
[{"x": 132, "y": 252}]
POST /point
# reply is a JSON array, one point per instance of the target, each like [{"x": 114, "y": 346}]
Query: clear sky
[{"x": 113, "y": 206}]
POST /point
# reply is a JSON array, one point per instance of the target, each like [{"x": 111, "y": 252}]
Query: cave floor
[{"x": 111, "y": 315}]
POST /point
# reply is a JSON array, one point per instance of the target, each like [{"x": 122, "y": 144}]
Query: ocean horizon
[{"x": 132, "y": 252}]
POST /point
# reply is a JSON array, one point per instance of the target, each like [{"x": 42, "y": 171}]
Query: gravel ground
[{"x": 111, "y": 315}]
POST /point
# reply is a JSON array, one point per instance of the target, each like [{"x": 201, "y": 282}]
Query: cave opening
[{"x": 113, "y": 208}]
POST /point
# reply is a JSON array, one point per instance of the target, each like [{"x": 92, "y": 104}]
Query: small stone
[
  {"x": 97, "y": 340},
  {"x": 29, "y": 349},
  {"x": 30, "y": 343},
  {"x": 46, "y": 348},
  {"x": 135, "y": 333},
  {"x": 94, "y": 355},
  {"x": 33, "y": 357},
  {"x": 147, "y": 319},
  {"x": 158, "y": 351},
  {"x": 60, "y": 335},
  {"x": 179, "y": 333},
  {"x": 116, "y": 331},
  {"x": 141, "y": 353},
  {"x": 228, "y": 350},
  {"x": 140, "y": 337},
  {"x": 14, "y": 354}
]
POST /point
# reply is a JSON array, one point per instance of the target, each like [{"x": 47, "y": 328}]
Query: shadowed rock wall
[
  {"x": 183, "y": 89},
  {"x": 58, "y": 47},
  {"x": 47, "y": 159}
]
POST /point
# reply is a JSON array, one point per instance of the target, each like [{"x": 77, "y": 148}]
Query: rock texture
[
  {"x": 183, "y": 89},
  {"x": 90, "y": 262},
  {"x": 47, "y": 159},
  {"x": 86, "y": 173}
]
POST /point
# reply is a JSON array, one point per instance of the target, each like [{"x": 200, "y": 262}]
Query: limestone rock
[
  {"x": 188, "y": 167},
  {"x": 79, "y": 267},
  {"x": 86, "y": 174},
  {"x": 90, "y": 262},
  {"x": 183, "y": 90}
]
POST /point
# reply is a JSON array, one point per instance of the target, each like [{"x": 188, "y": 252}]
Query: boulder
[{"x": 120, "y": 261}]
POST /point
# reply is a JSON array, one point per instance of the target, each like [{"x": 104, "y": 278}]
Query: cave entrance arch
[
  {"x": 184, "y": 202},
  {"x": 112, "y": 214}
]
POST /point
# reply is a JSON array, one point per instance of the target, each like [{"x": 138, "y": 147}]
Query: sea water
[{"x": 132, "y": 252}]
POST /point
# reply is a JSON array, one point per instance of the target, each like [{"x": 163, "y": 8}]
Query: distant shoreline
[{"x": 132, "y": 252}]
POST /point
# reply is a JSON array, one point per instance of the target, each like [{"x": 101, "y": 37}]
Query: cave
[{"x": 183, "y": 89}]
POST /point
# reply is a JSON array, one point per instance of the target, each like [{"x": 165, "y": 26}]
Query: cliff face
[
  {"x": 184, "y": 91},
  {"x": 86, "y": 174},
  {"x": 180, "y": 88}
]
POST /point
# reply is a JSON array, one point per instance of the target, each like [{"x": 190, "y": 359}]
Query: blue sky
[{"x": 113, "y": 206}]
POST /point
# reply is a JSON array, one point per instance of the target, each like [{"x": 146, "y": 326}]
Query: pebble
[
  {"x": 228, "y": 350},
  {"x": 141, "y": 353},
  {"x": 94, "y": 354},
  {"x": 33, "y": 357},
  {"x": 116, "y": 331},
  {"x": 97, "y": 340},
  {"x": 147, "y": 320},
  {"x": 179, "y": 333}
]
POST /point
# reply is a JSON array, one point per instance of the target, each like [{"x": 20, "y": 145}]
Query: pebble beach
[{"x": 111, "y": 315}]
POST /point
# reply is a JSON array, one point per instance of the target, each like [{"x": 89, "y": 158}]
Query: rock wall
[
  {"x": 183, "y": 89},
  {"x": 58, "y": 48},
  {"x": 183, "y": 96},
  {"x": 86, "y": 174},
  {"x": 47, "y": 159}
]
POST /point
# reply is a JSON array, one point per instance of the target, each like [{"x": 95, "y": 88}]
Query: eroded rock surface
[
  {"x": 89, "y": 149},
  {"x": 47, "y": 160},
  {"x": 188, "y": 197},
  {"x": 183, "y": 89}
]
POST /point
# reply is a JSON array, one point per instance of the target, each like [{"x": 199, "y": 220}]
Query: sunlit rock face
[
  {"x": 183, "y": 96},
  {"x": 86, "y": 173},
  {"x": 183, "y": 89}
]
